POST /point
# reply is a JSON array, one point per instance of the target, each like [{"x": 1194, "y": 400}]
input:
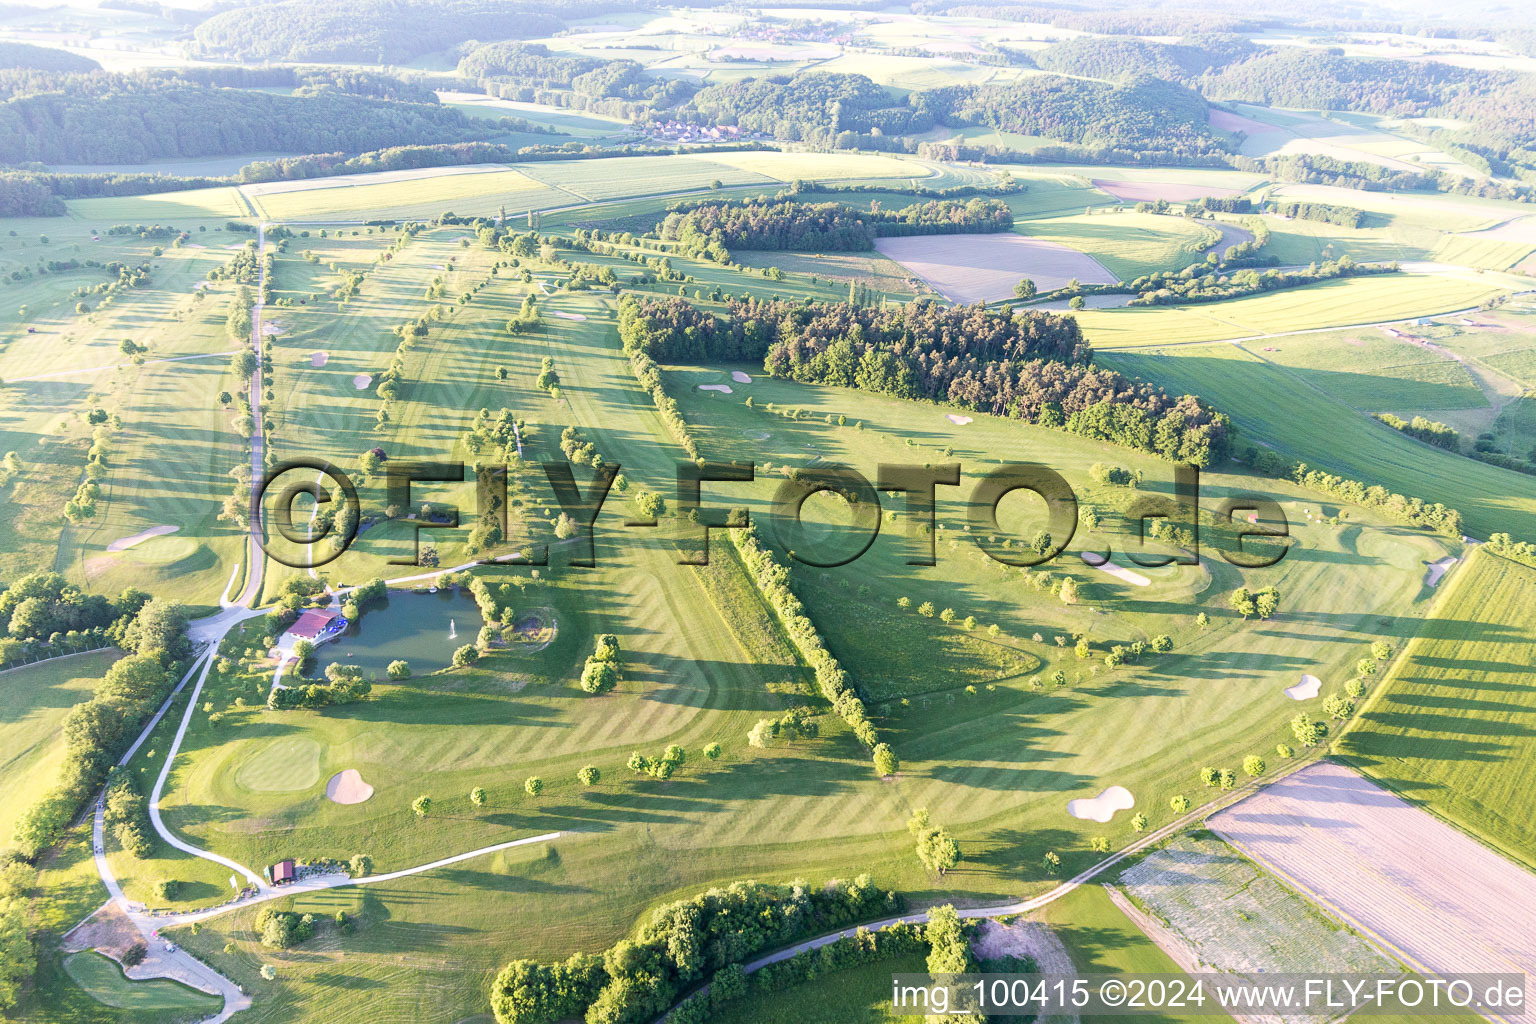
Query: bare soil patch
[
  {"x": 984, "y": 268},
  {"x": 1394, "y": 871},
  {"x": 107, "y": 930}
]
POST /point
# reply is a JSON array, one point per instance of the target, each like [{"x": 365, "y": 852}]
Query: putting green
[
  {"x": 163, "y": 550},
  {"x": 103, "y": 981},
  {"x": 284, "y": 765}
]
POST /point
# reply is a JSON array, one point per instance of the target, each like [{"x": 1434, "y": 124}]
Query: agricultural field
[
  {"x": 1380, "y": 860},
  {"x": 406, "y": 195},
  {"x": 1234, "y": 917},
  {"x": 1451, "y": 727},
  {"x": 1276, "y": 408},
  {"x": 1374, "y": 370},
  {"x": 1130, "y": 244},
  {"x": 1337, "y": 303}
]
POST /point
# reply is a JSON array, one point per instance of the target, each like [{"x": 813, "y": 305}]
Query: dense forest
[
  {"x": 1142, "y": 115},
  {"x": 1121, "y": 58},
  {"x": 711, "y": 229},
  {"x": 110, "y": 118},
  {"x": 1028, "y": 365},
  {"x": 530, "y": 73},
  {"x": 811, "y": 107},
  {"x": 1498, "y": 106},
  {"x": 42, "y": 58},
  {"x": 305, "y": 81},
  {"x": 380, "y": 31}
]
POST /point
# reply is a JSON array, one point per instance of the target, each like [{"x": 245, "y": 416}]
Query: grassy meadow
[{"x": 37, "y": 697}]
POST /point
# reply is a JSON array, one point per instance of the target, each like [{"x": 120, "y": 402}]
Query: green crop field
[
  {"x": 1336, "y": 303},
  {"x": 158, "y": 999},
  {"x": 1370, "y": 370},
  {"x": 1451, "y": 727},
  {"x": 37, "y": 697},
  {"x": 1276, "y": 407}
]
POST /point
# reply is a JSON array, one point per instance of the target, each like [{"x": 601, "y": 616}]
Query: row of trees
[
  {"x": 1167, "y": 288},
  {"x": 648, "y": 375},
  {"x": 1441, "y": 435},
  {"x": 1413, "y": 511},
  {"x": 96, "y": 730},
  {"x": 638, "y": 978},
  {"x": 773, "y": 582}
]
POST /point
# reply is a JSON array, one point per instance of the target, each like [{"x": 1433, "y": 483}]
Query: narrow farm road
[{"x": 256, "y": 558}]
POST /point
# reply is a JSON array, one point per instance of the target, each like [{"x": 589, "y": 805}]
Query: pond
[{"x": 422, "y": 629}]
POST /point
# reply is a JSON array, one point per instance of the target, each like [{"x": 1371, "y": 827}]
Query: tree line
[
  {"x": 1410, "y": 510},
  {"x": 683, "y": 943},
  {"x": 97, "y": 730}
]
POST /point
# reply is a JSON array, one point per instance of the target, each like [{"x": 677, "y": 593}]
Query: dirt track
[{"x": 1404, "y": 877}]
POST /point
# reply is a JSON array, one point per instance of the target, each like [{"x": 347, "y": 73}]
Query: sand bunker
[
  {"x": 1103, "y": 806},
  {"x": 981, "y": 268},
  {"x": 361, "y": 381},
  {"x": 1304, "y": 690},
  {"x": 724, "y": 389},
  {"x": 1135, "y": 579},
  {"x": 756, "y": 435},
  {"x": 1438, "y": 569},
  {"x": 1151, "y": 191},
  {"x": 269, "y": 328},
  {"x": 957, "y": 419},
  {"x": 741, "y": 378},
  {"x": 318, "y": 358},
  {"x": 347, "y": 787},
  {"x": 568, "y": 316},
  {"x": 124, "y": 543}
]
